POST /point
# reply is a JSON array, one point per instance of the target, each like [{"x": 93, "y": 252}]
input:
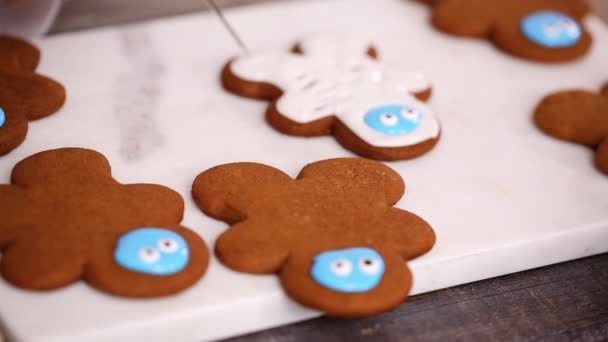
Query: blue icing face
[
  {"x": 2, "y": 118},
  {"x": 348, "y": 270},
  {"x": 551, "y": 29},
  {"x": 393, "y": 119},
  {"x": 153, "y": 251}
]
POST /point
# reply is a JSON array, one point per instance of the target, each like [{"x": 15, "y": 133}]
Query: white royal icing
[{"x": 336, "y": 76}]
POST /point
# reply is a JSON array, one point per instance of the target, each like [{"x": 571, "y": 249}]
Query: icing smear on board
[{"x": 336, "y": 76}]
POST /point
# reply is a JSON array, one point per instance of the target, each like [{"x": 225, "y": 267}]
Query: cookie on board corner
[
  {"x": 579, "y": 116},
  {"x": 24, "y": 94},
  {"x": 332, "y": 234},
  {"x": 335, "y": 85},
  {"x": 64, "y": 218},
  {"x": 540, "y": 30}
]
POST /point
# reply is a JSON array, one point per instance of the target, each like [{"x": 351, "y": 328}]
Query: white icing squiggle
[{"x": 335, "y": 76}]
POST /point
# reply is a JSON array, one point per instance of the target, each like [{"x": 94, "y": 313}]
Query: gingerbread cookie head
[
  {"x": 64, "y": 218},
  {"x": 335, "y": 85},
  {"x": 332, "y": 234},
  {"x": 540, "y": 30},
  {"x": 24, "y": 94},
  {"x": 578, "y": 116}
]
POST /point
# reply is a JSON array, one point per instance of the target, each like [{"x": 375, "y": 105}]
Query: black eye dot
[
  {"x": 368, "y": 262},
  {"x": 339, "y": 264},
  {"x": 149, "y": 251},
  {"x": 167, "y": 243}
]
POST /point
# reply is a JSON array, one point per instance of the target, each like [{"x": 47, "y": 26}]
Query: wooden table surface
[{"x": 562, "y": 302}]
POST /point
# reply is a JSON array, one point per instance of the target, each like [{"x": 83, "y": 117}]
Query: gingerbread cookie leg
[
  {"x": 331, "y": 234},
  {"x": 65, "y": 218}
]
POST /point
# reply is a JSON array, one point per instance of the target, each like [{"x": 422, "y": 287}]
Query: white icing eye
[
  {"x": 571, "y": 28},
  {"x": 168, "y": 245},
  {"x": 149, "y": 255},
  {"x": 410, "y": 114},
  {"x": 369, "y": 266},
  {"x": 389, "y": 119},
  {"x": 341, "y": 267},
  {"x": 552, "y": 30}
]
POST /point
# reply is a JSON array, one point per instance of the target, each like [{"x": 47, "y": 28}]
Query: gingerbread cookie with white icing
[{"x": 335, "y": 85}]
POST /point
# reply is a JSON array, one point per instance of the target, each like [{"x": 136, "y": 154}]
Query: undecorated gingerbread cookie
[
  {"x": 24, "y": 94},
  {"x": 541, "y": 30},
  {"x": 334, "y": 85},
  {"x": 579, "y": 116},
  {"x": 64, "y": 218},
  {"x": 332, "y": 235}
]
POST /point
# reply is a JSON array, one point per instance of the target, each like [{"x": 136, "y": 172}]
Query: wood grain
[{"x": 564, "y": 302}]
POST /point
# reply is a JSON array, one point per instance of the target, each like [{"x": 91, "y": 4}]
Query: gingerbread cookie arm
[
  {"x": 247, "y": 88},
  {"x": 578, "y": 116},
  {"x": 17, "y": 54},
  {"x": 601, "y": 156},
  {"x": 226, "y": 192},
  {"x": 406, "y": 233},
  {"x": 366, "y": 175},
  {"x": 468, "y": 18},
  {"x": 35, "y": 95}
]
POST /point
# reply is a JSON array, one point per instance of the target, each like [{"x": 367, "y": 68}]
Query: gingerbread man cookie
[
  {"x": 64, "y": 218},
  {"x": 24, "y": 94},
  {"x": 540, "y": 30},
  {"x": 579, "y": 116},
  {"x": 332, "y": 235},
  {"x": 334, "y": 85}
]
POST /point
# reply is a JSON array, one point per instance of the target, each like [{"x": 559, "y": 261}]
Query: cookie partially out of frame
[
  {"x": 334, "y": 85},
  {"x": 24, "y": 94},
  {"x": 65, "y": 219},
  {"x": 539, "y": 30},
  {"x": 579, "y": 116},
  {"x": 332, "y": 234}
]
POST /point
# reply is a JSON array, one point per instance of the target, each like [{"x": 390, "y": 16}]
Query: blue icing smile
[
  {"x": 393, "y": 119},
  {"x": 2, "y": 118},
  {"x": 551, "y": 29},
  {"x": 349, "y": 270},
  {"x": 153, "y": 251}
]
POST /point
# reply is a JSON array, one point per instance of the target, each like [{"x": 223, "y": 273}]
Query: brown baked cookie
[
  {"x": 24, "y": 94},
  {"x": 332, "y": 235},
  {"x": 64, "y": 218},
  {"x": 579, "y": 116},
  {"x": 540, "y": 30},
  {"x": 334, "y": 85}
]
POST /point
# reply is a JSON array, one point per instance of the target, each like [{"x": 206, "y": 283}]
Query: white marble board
[{"x": 501, "y": 196}]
